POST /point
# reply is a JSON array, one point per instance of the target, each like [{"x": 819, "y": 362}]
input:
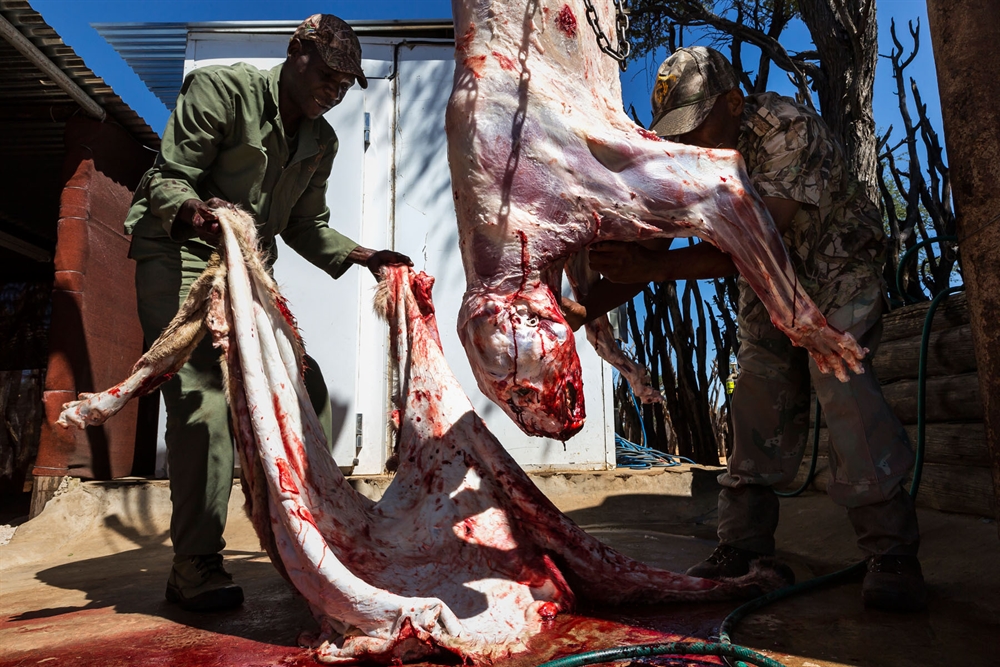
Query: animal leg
[
  {"x": 717, "y": 203},
  {"x": 166, "y": 356},
  {"x": 761, "y": 258}
]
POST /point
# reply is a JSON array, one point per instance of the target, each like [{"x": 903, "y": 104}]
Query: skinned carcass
[
  {"x": 462, "y": 554},
  {"x": 544, "y": 162}
]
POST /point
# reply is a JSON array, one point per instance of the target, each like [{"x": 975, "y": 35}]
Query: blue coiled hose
[{"x": 641, "y": 456}]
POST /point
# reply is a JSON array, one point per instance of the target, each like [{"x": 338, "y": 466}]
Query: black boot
[
  {"x": 201, "y": 583},
  {"x": 894, "y": 583},
  {"x": 728, "y": 562}
]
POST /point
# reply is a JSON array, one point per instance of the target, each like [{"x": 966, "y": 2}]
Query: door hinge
[{"x": 359, "y": 431}]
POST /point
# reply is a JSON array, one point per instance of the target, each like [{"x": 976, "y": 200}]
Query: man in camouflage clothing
[{"x": 834, "y": 236}]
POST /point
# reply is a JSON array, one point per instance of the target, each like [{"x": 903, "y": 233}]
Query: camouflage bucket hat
[
  {"x": 336, "y": 43},
  {"x": 687, "y": 84}
]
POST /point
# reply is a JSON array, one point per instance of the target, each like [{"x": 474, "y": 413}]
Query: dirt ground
[{"x": 83, "y": 584}]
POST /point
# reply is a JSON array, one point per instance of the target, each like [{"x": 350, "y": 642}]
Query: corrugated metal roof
[
  {"x": 33, "y": 109},
  {"x": 156, "y": 51}
]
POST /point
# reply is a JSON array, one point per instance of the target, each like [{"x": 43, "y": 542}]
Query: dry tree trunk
[{"x": 845, "y": 33}]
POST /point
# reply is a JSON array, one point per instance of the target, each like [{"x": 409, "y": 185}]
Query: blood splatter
[
  {"x": 151, "y": 383},
  {"x": 475, "y": 65},
  {"x": 282, "y": 305},
  {"x": 548, "y": 610},
  {"x": 462, "y": 44},
  {"x": 566, "y": 21},
  {"x": 505, "y": 62},
  {"x": 285, "y": 480},
  {"x": 647, "y": 134}
]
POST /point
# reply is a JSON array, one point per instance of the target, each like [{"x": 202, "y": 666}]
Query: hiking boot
[
  {"x": 200, "y": 583},
  {"x": 894, "y": 583},
  {"x": 728, "y": 562}
]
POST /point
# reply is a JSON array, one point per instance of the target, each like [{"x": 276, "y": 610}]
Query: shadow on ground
[
  {"x": 98, "y": 600},
  {"x": 831, "y": 626},
  {"x": 89, "y": 609}
]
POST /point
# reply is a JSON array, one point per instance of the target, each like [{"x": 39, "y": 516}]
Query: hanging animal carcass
[{"x": 544, "y": 162}]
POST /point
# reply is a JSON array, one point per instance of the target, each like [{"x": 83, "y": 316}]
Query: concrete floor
[{"x": 83, "y": 584}]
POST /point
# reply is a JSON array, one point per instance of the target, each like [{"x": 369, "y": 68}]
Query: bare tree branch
[{"x": 694, "y": 13}]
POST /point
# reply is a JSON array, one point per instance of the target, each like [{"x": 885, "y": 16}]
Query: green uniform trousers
[
  {"x": 200, "y": 451},
  {"x": 870, "y": 453}
]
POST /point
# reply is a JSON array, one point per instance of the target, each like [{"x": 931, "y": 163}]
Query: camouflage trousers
[{"x": 870, "y": 453}]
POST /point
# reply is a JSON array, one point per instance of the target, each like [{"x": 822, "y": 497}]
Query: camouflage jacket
[{"x": 836, "y": 240}]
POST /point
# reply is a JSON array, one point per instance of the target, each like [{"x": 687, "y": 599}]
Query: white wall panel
[
  {"x": 426, "y": 229},
  {"x": 396, "y": 191}
]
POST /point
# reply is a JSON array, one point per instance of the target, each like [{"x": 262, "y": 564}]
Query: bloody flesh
[
  {"x": 462, "y": 554},
  {"x": 566, "y": 21},
  {"x": 544, "y": 161}
]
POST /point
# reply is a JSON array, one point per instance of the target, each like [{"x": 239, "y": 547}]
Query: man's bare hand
[
  {"x": 200, "y": 216},
  {"x": 376, "y": 259},
  {"x": 575, "y": 313},
  {"x": 622, "y": 262}
]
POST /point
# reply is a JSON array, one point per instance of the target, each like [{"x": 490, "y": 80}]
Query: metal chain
[{"x": 621, "y": 53}]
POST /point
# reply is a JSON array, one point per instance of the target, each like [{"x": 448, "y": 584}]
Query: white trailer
[{"x": 391, "y": 188}]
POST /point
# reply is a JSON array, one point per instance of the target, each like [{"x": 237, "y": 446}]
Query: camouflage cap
[
  {"x": 336, "y": 43},
  {"x": 687, "y": 84}
]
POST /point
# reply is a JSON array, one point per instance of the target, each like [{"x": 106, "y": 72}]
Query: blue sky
[{"x": 72, "y": 19}]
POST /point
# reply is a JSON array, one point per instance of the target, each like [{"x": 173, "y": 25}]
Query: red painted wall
[{"x": 95, "y": 336}]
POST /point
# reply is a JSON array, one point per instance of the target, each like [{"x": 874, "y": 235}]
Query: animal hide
[{"x": 463, "y": 554}]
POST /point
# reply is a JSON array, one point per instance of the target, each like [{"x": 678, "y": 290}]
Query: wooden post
[
  {"x": 967, "y": 55},
  {"x": 42, "y": 491}
]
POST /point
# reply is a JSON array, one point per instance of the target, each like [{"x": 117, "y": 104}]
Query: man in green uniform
[
  {"x": 835, "y": 239},
  {"x": 238, "y": 135}
]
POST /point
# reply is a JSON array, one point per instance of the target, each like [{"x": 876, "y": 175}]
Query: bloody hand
[
  {"x": 200, "y": 216},
  {"x": 376, "y": 259}
]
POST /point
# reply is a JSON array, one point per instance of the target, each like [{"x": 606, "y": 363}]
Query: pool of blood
[{"x": 254, "y": 642}]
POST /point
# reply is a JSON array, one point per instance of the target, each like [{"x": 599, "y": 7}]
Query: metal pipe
[
  {"x": 42, "y": 62},
  {"x": 29, "y": 250}
]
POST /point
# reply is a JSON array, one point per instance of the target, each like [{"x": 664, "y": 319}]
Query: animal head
[{"x": 523, "y": 355}]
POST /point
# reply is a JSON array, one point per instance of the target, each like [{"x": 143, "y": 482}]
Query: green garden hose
[
  {"x": 901, "y": 265},
  {"x": 812, "y": 465},
  {"x": 744, "y": 657},
  {"x": 925, "y": 338}
]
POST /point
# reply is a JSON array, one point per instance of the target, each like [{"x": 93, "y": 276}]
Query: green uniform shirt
[
  {"x": 836, "y": 240},
  {"x": 225, "y": 139}
]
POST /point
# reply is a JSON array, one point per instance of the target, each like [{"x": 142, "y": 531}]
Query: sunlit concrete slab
[{"x": 83, "y": 583}]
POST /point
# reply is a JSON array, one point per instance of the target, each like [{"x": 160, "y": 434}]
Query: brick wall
[{"x": 95, "y": 336}]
